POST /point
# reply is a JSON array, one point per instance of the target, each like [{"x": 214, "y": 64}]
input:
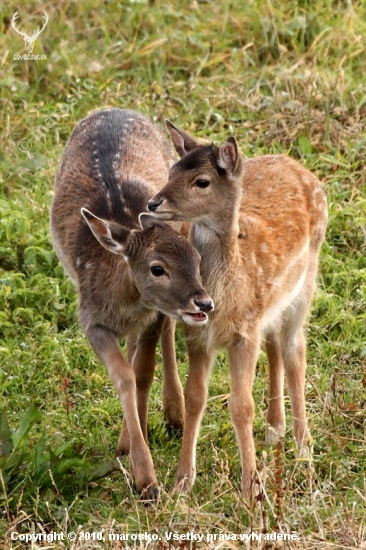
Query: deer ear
[
  {"x": 112, "y": 236},
  {"x": 147, "y": 221},
  {"x": 183, "y": 142},
  {"x": 228, "y": 156}
]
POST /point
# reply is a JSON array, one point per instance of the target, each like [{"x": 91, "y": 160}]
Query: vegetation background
[{"x": 283, "y": 77}]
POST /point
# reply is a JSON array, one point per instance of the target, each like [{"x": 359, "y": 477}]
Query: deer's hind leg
[
  {"x": 293, "y": 344},
  {"x": 276, "y": 411},
  {"x": 286, "y": 352},
  {"x": 294, "y": 360}
]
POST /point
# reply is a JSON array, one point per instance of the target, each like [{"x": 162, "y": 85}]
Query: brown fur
[
  {"x": 115, "y": 159},
  {"x": 258, "y": 225}
]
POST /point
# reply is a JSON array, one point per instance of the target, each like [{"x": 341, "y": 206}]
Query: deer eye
[
  {"x": 202, "y": 184},
  {"x": 157, "y": 270}
]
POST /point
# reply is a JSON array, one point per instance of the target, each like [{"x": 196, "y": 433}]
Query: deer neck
[{"x": 219, "y": 232}]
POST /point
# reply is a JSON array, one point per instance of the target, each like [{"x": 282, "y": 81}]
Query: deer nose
[
  {"x": 153, "y": 204},
  {"x": 204, "y": 305}
]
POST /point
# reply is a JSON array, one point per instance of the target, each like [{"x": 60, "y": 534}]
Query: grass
[{"x": 280, "y": 76}]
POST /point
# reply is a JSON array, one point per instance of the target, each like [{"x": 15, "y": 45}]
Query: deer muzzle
[{"x": 154, "y": 204}]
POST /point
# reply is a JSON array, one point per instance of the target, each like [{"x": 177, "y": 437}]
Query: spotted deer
[
  {"x": 130, "y": 270},
  {"x": 258, "y": 225}
]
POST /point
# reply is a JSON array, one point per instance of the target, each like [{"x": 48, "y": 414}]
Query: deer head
[{"x": 29, "y": 40}]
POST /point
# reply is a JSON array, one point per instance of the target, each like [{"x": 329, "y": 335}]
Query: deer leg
[
  {"x": 173, "y": 399},
  {"x": 131, "y": 344},
  {"x": 242, "y": 361},
  {"x": 144, "y": 361},
  {"x": 143, "y": 349},
  {"x": 196, "y": 390},
  {"x": 276, "y": 411},
  {"x": 123, "y": 446},
  {"x": 106, "y": 346},
  {"x": 294, "y": 357}
]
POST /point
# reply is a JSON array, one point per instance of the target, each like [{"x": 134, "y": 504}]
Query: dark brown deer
[
  {"x": 128, "y": 268},
  {"x": 258, "y": 225}
]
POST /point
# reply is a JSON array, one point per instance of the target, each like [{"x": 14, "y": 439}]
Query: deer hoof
[
  {"x": 150, "y": 494},
  {"x": 272, "y": 435},
  {"x": 183, "y": 485}
]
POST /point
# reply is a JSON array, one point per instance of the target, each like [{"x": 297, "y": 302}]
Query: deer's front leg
[
  {"x": 141, "y": 353},
  {"x": 200, "y": 362},
  {"x": 173, "y": 399},
  {"x": 106, "y": 345},
  {"x": 143, "y": 362},
  {"x": 123, "y": 445},
  {"x": 242, "y": 361}
]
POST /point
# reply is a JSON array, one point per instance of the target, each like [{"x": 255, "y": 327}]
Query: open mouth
[
  {"x": 196, "y": 318},
  {"x": 199, "y": 316}
]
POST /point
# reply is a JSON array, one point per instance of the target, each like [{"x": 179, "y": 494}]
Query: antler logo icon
[{"x": 29, "y": 40}]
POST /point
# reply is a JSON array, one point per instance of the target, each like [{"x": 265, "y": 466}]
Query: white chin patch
[
  {"x": 162, "y": 215},
  {"x": 194, "y": 319}
]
